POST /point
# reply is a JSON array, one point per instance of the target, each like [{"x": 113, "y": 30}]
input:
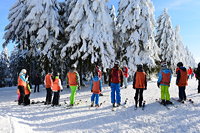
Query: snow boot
[
  {"x": 168, "y": 102},
  {"x": 163, "y": 102},
  {"x": 113, "y": 104},
  {"x": 97, "y": 105},
  {"x": 118, "y": 104},
  {"x": 92, "y": 104}
]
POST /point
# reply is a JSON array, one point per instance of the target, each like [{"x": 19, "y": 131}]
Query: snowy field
[{"x": 155, "y": 118}]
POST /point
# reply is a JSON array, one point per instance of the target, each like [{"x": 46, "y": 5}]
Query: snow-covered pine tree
[
  {"x": 165, "y": 39},
  {"x": 189, "y": 59},
  {"x": 137, "y": 23},
  {"x": 116, "y": 41},
  {"x": 90, "y": 32},
  {"x": 16, "y": 30},
  {"x": 43, "y": 19},
  {"x": 18, "y": 61},
  {"x": 4, "y": 67}
]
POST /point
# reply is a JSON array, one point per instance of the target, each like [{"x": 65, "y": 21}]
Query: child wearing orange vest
[
  {"x": 56, "y": 88},
  {"x": 164, "y": 79},
  {"x": 96, "y": 86},
  {"x": 48, "y": 84},
  {"x": 27, "y": 91},
  {"x": 22, "y": 81},
  {"x": 73, "y": 81},
  {"x": 140, "y": 84},
  {"x": 181, "y": 81}
]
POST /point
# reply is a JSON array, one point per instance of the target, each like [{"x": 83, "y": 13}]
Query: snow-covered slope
[{"x": 154, "y": 119}]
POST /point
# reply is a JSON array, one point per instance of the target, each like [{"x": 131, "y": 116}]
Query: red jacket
[
  {"x": 125, "y": 71},
  {"x": 116, "y": 75}
]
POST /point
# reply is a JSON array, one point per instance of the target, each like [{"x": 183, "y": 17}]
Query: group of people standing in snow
[{"x": 117, "y": 77}]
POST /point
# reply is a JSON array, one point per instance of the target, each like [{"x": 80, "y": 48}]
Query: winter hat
[
  {"x": 163, "y": 64},
  {"x": 139, "y": 66},
  {"x": 179, "y": 64},
  {"x": 116, "y": 62},
  {"x": 23, "y": 71},
  {"x": 74, "y": 66}
]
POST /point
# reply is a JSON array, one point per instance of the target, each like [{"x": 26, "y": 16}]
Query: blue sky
[{"x": 183, "y": 12}]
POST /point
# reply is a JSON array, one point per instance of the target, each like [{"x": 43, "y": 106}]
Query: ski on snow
[
  {"x": 167, "y": 106},
  {"x": 123, "y": 105},
  {"x": 143, "y": 106}
]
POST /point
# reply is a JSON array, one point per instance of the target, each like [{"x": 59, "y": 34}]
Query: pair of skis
[
  {"x": 143, "y": 106},
  {"x": 183, "y": 102},
  {"x": 167, "y": 106},
  {"x": 96, "y": 107},
  {"x": 123, "y": 105}
]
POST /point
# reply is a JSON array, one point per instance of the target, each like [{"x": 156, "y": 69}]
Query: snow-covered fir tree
[
  {"x": 189, "y": 59},
  {"x": 4, "y": 67},
  {"x": 16, "y": 30},
  {"x": 137, "y": 23},
  {"x": 18, "y": 61},
  {"x": 182, "y": 52},
  {"x": 165, "y": 38},
  {"x": 90, "y": 32},
  {"x": 43, "y": 19}
]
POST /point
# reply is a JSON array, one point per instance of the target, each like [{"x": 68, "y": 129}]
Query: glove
[
  {"x": 67, "y": 86},
  {"x": 158, "y": 84},
  {"x": 109, "y": 84},
  {"x": 91, "y": 91},
  {"x": 61, "y": 90}
]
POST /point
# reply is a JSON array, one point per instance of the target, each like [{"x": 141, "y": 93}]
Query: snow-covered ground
[{"x": 154, "y": 119}]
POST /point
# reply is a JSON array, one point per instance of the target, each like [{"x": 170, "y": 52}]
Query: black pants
[
  {"x": 182, "y": 95},
  {"x": 48, "y": 96},
  {"x": 21, "y": 98},
  {"x": 199, "y": 87},
  {"x": 56, "y": 97},
  {"x": 37, "y": 87},
  {"x": 26, "y": 99},
  {"x": 138, "y": 96}
]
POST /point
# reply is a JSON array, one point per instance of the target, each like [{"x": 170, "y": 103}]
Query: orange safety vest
[
  {"x": 21, "y": 82},
  {"x": 183, "y": 78},
  {"x": 116, "y": 75},
  {"x": 48, "y": 81},
  {"x": 140, "y": 80},
  {"x": 56, "y": 86},
  {"x": 72, "y": 78},
  {"x": 96, "y": 87},
  {"x": 165, "y": 78}
]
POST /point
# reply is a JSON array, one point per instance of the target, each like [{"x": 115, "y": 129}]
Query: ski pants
[
  {"x": 73, "y": 93},
  {"x": 182, "y": 94},
  {"x": 56, "y": 97},
  {"x": 125, "y": 82},
  {"x": 26, "y": 99},
  {"x": 115, "y": 89},
  {"x": 96, "y": 97},
  {"x": 139, "y": 96},
  {"x": 22, "y": 94},
  {"x": 165, "y": 92},
  {"x": 48, "y": 96}
]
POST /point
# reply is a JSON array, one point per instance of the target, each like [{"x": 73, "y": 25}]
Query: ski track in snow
[{"x": 155, "y": 118}]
